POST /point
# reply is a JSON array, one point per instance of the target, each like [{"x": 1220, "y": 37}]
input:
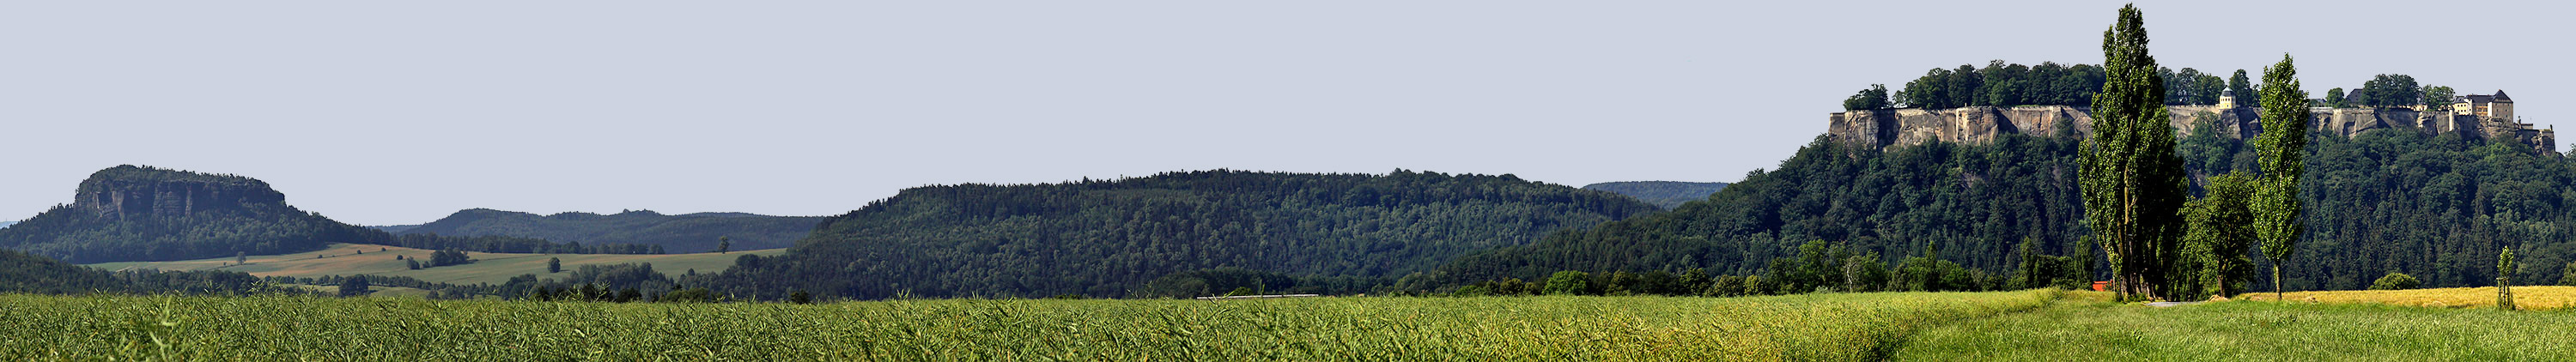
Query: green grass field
[
  {"x": 1806, "y": 327},
  {"x": 2073, "y": 330},
  {"x": 495, "y": 268}
]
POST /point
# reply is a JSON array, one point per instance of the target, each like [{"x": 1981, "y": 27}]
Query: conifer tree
[
  {"x": 2281, "y": 146},
  {"x": 2133, "y": 182}
]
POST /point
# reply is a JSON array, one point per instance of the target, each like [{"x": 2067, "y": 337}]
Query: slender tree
[
  {"x": 2504, "y": 279},
  {"x": 554, "y": 265},
  {"x": 724, "y": 243},
  {"x": 2281, "y": 147},
  {"x": 2133, "y": 182}
]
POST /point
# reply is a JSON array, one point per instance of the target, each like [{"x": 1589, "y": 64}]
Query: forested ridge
[
  {"x": 1105, "y": 238},
  {"x": 1665, "y": 194},
  {"x": 2433, "y": 206},
  {"x": 138, "y": 213},
  {"x": 683, "y": 233}
]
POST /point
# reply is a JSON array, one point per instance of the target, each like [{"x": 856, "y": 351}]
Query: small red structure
[{"x": 2101, "y": 286}]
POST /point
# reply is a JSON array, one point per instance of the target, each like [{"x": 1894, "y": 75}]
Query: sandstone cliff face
[
  {"x": 137, "y": 192},
  {"x": 1974, "y": 125}
]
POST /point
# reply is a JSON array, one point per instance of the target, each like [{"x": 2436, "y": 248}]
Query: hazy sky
[{"x": 382, "y": 112}]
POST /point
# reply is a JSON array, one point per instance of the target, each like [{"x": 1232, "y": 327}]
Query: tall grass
[
  {"x": 2251, "y": 331},
  {"x": 1806, "y": 327}
]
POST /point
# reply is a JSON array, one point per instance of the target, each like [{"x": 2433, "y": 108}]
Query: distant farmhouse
[{"x": 2486, "y": 117}]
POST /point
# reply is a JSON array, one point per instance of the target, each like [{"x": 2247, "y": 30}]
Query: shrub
[
  {"x": 2395, "y": 281},
  {"x": 1567, "y": 283}
]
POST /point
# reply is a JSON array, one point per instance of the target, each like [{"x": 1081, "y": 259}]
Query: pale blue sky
[{"x": 402, "y": 112}]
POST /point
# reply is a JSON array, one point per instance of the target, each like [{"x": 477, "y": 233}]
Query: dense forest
[
  {"x": 688, "y": 233},
  {"x": 136, "y": 213},
  {"x": 1105, "y": 238},
  {"x": 1973, "y": 204},
  {"x": 1665, "y": 194},
  {"x": 2434, "y": 206}
]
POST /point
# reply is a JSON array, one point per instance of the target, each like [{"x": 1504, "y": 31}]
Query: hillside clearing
[{"x": 495, "y": 268}]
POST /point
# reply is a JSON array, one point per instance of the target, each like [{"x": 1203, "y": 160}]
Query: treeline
[
  {"x": 28, "y": 273},
  {"x": 1819, "y": 267},
  {"x": 1239, "y": 281},
  {"x": 689, "y": 233},
  {"x": 1101, "y": 238},
  {"x": 2048, "y": 84},
  {"x": 633, "y": 282}
]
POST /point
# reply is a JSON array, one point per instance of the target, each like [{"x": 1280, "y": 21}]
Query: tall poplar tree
[
  {"x": 2281, "y": 147},
  {"x": 2133, "y": 182}
]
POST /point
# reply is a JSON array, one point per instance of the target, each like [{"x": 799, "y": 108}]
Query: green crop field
[
  {"x": 2071, "y": 330},
  {"x": 1804, "y": 327},
  {"x": 495, "y": 268}
]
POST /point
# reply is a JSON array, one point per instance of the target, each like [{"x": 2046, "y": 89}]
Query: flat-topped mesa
[
  {"x": 130, "y": 191},
  {"x": 2476, "y": 117}
]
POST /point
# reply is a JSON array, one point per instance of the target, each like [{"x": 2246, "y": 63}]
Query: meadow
[
  {"x": 1866, "y": 326},
  {"x": 2072, "y": 330},
  {"x": 494, "y": 268}
]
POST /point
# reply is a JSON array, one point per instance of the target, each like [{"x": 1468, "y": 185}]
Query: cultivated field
[
  {"x": 2524, "y": 297},
  {"x": 495, "y": 268},
  {"x": 2251, "y": 331},
  {"x": 1805, "y": 327}
]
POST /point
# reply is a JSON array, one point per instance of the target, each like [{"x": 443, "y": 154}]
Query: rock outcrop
[{"x": 1973, "y": 125}]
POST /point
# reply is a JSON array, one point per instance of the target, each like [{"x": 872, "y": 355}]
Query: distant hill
[
  {"x": 143, "y": 213},
  {"x": 139, "y": 213},
  {"x": 5, "y": 224},
  {"x": 1665, "y": 194},
  {"x": 687, "y": 233},
  {"x": 1107, "y": 238}
]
